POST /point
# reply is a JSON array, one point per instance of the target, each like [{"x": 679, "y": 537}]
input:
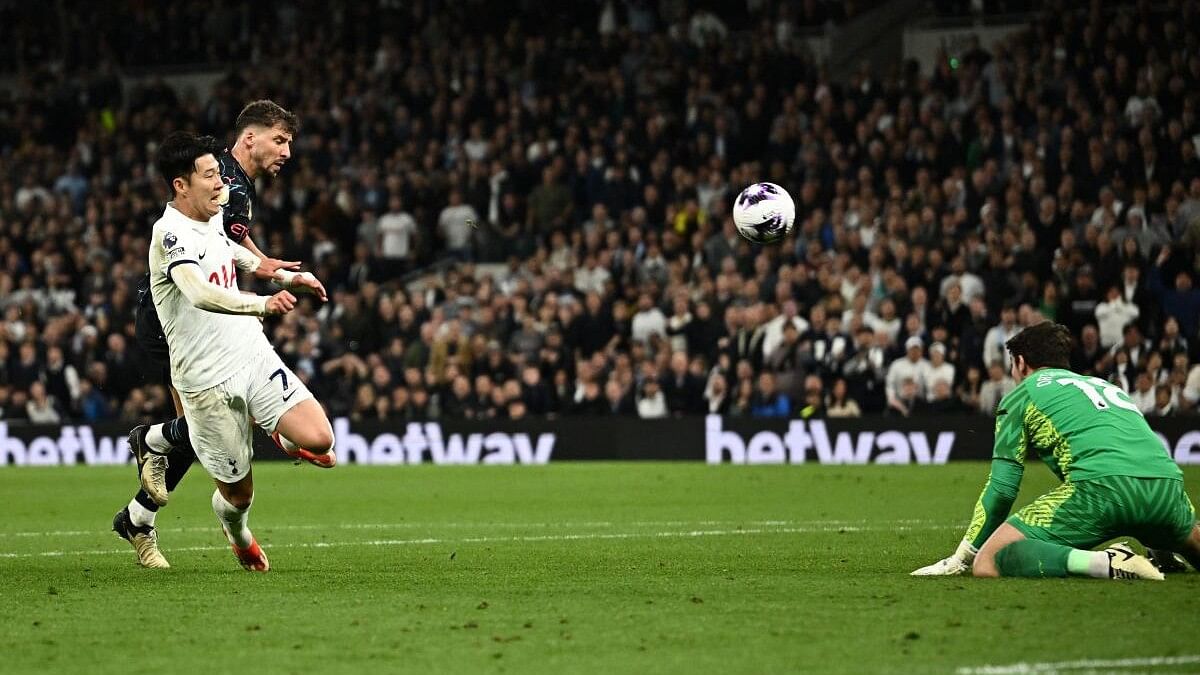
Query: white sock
[
  {"x": 287, "y": 444},
  {"x": 234, "y": 520},
  {"x": 1088, "y": 563},
  {"x": 155, "y": 439},
  {"x": 139, "y": 515}
]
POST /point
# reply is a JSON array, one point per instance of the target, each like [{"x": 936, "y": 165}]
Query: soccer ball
[{"x": 764, "y": 213}]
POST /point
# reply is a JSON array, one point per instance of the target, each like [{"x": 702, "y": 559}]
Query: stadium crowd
[{"x": 530, "y": 216}]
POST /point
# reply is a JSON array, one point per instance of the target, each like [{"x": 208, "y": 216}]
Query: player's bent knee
[
  {"x": 324, "y": 441},
  {"x": 985, "y": 568},
  {"x": 238, "y": 499}
]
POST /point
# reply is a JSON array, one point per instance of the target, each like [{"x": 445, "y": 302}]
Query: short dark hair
[
  {"x": 265, "y": 113},
  {"x": 178, "y": 152},
  {"x": 1042, "y": 345}
]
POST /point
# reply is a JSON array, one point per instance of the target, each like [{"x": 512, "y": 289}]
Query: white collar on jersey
[{"x": 197, "y": 224}]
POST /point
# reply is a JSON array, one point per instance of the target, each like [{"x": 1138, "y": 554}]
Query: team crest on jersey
[
  {"x": 223, "y": 200},
  {"x": 169, "y": 240}
]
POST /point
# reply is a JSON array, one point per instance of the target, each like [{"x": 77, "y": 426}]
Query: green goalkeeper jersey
[{"x": 1081, "y": 427}]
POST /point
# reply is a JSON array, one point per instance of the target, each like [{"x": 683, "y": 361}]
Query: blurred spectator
[
  {"x": 1143, "y": 394},
  {"x": 941, "y": 401},
  {"x": 684, "y": 392},
  {"x": 618, "y": 399},
  {"x": 994, "y": 349},
  {"x": 907, "y": 399},
  {"x": 1113, "y": 315},
  {"x": 1182, "y": 300},
  {"x": 939, "y": 370},
  {"x": 398, "y": 238},
  {"x": 456, "y": 224},
  {"x": 839, "y": 403},
  {"x": 970, "y": 388},
  {"x": 767, "y": 401},
  {"x": 994, "y": 389},
  {"x": 648, "y": 321},
  {"x": 1164, "y": 402},
  {"x": 812, "y": 404},
  {"x": 717, "y": 395},
  {"x": 912, "y": 368},
  {"x": 41, "y": 408},
  {"x": 651, "y": 404}
]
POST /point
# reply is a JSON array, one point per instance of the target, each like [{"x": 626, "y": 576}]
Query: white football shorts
[{"x": 219, "y": 418}]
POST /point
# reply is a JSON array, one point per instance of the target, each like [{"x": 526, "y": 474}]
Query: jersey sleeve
[
  {"x": 174, "y": 248},
  {"x": 1011, "y": 441},
  {"x": 245, "y": 260},
  {"x": 1008, "y": 467},
  {"x": 235, "y": 202}
]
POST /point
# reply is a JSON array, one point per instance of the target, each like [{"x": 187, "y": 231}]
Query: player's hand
[
  {"x": 268, "y": 266},
  {"x": 1164, "y": 255},
  {"x": 281, "y": 303},
  {"x": 306, "y": 281},
  {"x": 956, "y": 564},
  {"x": 946, "y": 567}
]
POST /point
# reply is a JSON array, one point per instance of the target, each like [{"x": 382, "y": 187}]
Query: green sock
[
  {"x": 1032, "y": 558},
  {"x": 1088, "y": 563}
]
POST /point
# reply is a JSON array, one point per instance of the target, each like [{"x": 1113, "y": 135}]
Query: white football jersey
[{"x": 206, "y": 347}]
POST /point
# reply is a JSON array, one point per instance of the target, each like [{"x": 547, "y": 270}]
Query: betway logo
[
  {"x": 74, "y": 445},
  {"x": 422, "y": 441},
  {"x": 804, "y": 440}
]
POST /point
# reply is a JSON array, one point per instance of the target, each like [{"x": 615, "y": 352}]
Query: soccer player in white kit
[{"x": 224, "y": 368}]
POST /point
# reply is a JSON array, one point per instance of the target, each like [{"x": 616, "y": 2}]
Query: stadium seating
[{"x": 587, "y": 161}]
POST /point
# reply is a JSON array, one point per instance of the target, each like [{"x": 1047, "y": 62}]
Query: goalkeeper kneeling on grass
[{"x": 1116, "y": 479}]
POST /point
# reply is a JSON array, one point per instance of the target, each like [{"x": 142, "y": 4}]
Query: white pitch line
[
  {"x": 1087, "y": 664},
  {"x": 484, "y": 525},
  {"x": 486, "y": 540}
]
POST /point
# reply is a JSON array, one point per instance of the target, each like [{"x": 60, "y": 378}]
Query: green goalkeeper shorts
[{"x": 1084, "y": 514}]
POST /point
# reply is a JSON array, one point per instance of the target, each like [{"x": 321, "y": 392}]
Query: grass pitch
[{"x": 559, "y": 568}]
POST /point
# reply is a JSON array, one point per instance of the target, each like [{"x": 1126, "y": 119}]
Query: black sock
[
  {"x": 179, "y": 460},
  {"x": 176, "y": 433},
  {"x": 144, "y": 499}
]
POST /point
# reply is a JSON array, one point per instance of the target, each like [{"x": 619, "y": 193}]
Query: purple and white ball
[{"x": 764, "y": 213}]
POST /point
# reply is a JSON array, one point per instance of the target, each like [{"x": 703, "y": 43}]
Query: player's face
[
  {"x": 203, "y": 190},
  {"x": 272, "y": 149}
]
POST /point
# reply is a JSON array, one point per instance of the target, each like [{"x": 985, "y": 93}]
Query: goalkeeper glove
[{"x": 959, "y": 563}]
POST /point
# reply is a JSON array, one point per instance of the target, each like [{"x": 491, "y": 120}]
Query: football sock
[
  {"x": 1031, "y": 558},
  {"x": 1089, "y": 563},
  {"x": 287, "y": 444},
  {"x": 178, "y": 462},
  {"x": 176, "y": 433},
  {"x": 142, "y": 498},
  {"x": 139, "y": 515},
  {"x": 234, "y": 520},
  {"x": 155, "y": 439}
]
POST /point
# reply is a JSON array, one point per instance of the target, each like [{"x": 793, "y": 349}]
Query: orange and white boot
[
  {"x": 252, "y": 557},
  {"x": 325, "y": 461}
]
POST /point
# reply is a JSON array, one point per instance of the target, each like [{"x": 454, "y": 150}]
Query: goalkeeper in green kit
[{"x": 1116, "y": 479}]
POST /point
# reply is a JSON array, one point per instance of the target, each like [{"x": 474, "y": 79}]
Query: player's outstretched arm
[
  {"x": 213, "y": 298},
  {"x": 300, "y": 282},
  {"x": 991, "y": 509},
  {"x": 266, "y": 266},
  {"x": 999, "y": 493}
]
